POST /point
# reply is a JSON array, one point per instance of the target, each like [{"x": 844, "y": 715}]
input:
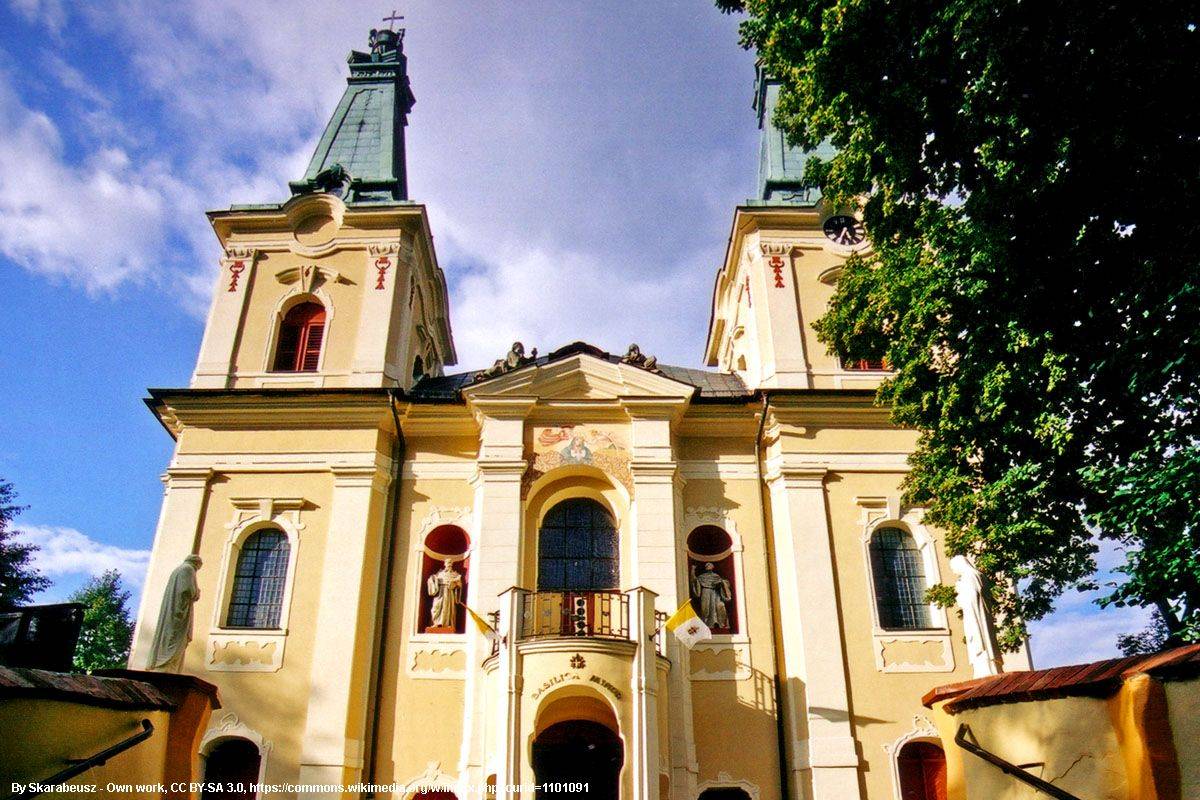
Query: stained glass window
[
  {"x": 900, "y": 585},
  {"x": 577, "y": 548},
  {"x": 257, "y": 598}
]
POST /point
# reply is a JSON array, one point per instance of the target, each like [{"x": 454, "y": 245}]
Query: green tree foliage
[
  {"x": 107, "y": 630},
  {"x": 1029, "y": 173},
  {"x": 19, "y": 580}
]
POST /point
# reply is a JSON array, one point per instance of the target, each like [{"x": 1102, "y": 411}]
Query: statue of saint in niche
[
  {"x": 714, "y": 594},
  {"x": 445, "y": 587}
]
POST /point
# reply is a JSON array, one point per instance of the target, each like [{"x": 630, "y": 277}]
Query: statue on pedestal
[
  {"x": 445, "y": 587},
  {"x": 174, "y": 629},
  {"x": 977, "y": 622},
  {"x": 714, "y": 593}
]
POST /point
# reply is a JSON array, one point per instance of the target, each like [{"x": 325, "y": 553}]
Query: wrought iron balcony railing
[{"x": 596, "y": 614}]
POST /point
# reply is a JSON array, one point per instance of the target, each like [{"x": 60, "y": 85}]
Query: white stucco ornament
[{"x": 981, "y": 649}]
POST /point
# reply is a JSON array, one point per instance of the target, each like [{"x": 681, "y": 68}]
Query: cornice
[{"x": 233, "y": 409}]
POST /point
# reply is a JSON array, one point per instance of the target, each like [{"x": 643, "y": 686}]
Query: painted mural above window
[{"x": 602, "y": 446}]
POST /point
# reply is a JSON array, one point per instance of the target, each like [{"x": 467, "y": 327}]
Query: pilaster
[
  {"x": 215, "y": 362},
  {"x": 495, "y": 564},
  {"x": 657, "y": 500},
  {"x": 331, "y": 749},
  {"x": 383, "y": 323},
  {"x": 820, "y": 735},
  {"x": 185, "y": 490},
  {"x": 645, "y": 695},
  {"x": 779, "y": 323}
]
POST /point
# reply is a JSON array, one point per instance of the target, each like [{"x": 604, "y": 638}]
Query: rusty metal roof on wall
[
  {"x": 109, "y": 692},
  {"x": 1097, "y": 679}
]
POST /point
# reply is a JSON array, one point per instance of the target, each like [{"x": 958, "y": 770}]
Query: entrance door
[
  {"x": 576, "y": 752},
  {"x": 231, "y": 771}
]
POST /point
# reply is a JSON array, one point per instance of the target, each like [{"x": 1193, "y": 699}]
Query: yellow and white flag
[
  {"x": 687, "y": 625},
  {"x": 487, "y": 630}
]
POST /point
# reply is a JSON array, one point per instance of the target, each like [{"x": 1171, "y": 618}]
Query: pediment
[{"x": 581, "y": 377}]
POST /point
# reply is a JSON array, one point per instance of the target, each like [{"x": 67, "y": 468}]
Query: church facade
[{"x": 417, "y": 575}]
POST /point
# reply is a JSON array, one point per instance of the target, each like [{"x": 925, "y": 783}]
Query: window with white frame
[
  {"x": 898, "y": 570},
  {"x": 259, "y": 580}
]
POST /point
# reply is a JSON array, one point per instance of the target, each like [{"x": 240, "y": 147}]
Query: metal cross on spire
[{"x": 393, "y": 19}]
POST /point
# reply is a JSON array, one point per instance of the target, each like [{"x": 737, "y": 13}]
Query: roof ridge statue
[
  {"x": 635, "y": 357},
  {"x": 515, "y": 359}
]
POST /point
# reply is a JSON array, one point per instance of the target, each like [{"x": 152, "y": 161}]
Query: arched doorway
[
  {"x": 573, "y": 752},
  {"x": 922, "y": 767},
  {"x": 233, "y": 763}
]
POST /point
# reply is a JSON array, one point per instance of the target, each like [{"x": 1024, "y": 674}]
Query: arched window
[
  {"x": 298, "y": 348},
  {"x": 922, "y": 769},
  {"x": 231, "y": 763},
  {"x": 258, "y": 580},
  {"x": 711, "y": 579},
  {"x": 444, "y": 587},
  {"x": 577, "y": 548},
  {"x": 899, "y": 574}
]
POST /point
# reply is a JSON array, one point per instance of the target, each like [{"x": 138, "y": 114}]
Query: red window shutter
[
  {"x": 313, "y": 335},
  {"x": 300, "y": 336}
]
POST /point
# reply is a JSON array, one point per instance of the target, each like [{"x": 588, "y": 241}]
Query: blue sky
[{"x": 580, "y": 161}]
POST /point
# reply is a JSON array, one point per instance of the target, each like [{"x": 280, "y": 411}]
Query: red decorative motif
[
  {"x": 235, "y": 272},
  {"x": 776, "y": 264},
  {"x": 749, "y": 298},
  {"x": 382, "y": 264}
]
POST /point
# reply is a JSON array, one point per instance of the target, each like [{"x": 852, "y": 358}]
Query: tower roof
[
  {"x": 361, "y": 153},
  {"x": 781, "y": 179}
]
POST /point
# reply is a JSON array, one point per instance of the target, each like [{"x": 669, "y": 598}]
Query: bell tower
[
  {"x": 338, "y": 286},
  {"x": 785, "y": 255}
]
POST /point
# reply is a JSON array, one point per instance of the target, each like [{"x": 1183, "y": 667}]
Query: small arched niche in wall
[
  {"x": 445, "y": 567},
  {"x": 712, "y": 578}
]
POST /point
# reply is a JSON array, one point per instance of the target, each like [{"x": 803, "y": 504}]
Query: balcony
[{"x": 555, "y": 615}]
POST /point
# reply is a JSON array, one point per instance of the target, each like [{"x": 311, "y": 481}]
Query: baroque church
[{"x": 415, "y": 575}]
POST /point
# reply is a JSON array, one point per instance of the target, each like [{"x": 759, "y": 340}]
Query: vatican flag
[
  {"x": 487, "y": 630},
  {"x": 687, "y": 626}
]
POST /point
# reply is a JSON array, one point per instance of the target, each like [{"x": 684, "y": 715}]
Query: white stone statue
[
  {"x": 174, "y": 629},
  {"x": 445, "y": 587},
  {"x": 977, "y": 624},
  {"x": 714, "y": 593}
]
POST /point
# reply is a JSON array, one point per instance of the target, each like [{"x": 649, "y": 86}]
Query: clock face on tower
[{"x": 844, "y": 230}]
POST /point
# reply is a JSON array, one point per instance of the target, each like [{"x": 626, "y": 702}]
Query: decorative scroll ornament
[
  {"x": 635, "y": 357},
  {"x": 515, "y": 359},
  {"x": 776, "y": 264},
  {"x": 237, "y": 260},
  {"x": 382, "y": 264},
  {"x": 777, "y": 254}
]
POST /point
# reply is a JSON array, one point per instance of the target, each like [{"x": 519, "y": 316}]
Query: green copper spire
[
  {"x": 780, "y": 166},
  {"x": 361, "y": 154}
]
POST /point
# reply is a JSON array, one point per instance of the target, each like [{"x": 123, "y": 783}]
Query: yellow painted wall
[{"x": 1183, "y": 704}]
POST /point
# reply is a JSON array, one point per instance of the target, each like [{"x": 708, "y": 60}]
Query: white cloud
[
  {"x": 49, "y": 13},
  {"x": 67, "y": 552},
  {"x": 588, "y": 189},
  {"x": 1078, "y": 630},
  {"x": 95, "y": 224},
  {"x": 1077, "y": 636}
]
